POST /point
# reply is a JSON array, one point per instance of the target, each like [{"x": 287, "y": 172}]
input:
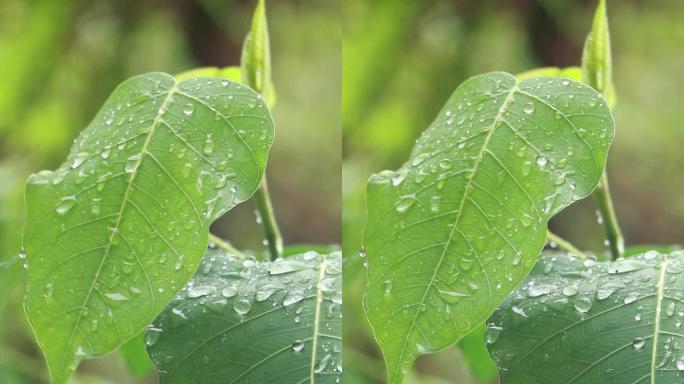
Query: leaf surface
[
  {"x": 459, "y": 225},
  {"x": 119, "y": 228},
  {"x": 582, "y": 321},
  {"x": 245, "y": 321}
]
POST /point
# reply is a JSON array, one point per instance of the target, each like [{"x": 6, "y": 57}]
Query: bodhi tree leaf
[
  {"x": 245, "y": 321},
  {"x": 119, "y": 228},
  {"x": 458, "y": 226},
  {"x": 586, "y": 322}
]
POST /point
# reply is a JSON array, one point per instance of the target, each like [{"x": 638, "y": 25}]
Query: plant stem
[
  {"x": 616, "y": 242},
  {"x": 268, "y": 221},
  {"x": 225, "y": 245},
  {"x": 564, "y": 244}
]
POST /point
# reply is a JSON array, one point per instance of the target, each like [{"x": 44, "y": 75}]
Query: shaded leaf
[
  {"x": 245, "y": 321},
  {"x": 119, "y": 228},
  {"x": 459, "y": 225},
  {"x": 582, "y": 321},
  {"x": 597, "y": 62}
]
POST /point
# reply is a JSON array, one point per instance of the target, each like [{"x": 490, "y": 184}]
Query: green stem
[
  {"x": 564, "y": 244},
  {"x": 226, "y": 246},
  {"x": 616, "y": 242},
  {"x": 268, "y": 221}
]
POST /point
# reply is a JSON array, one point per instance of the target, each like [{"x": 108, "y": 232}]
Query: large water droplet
[
  {"x": 188, "y": 109},
  {"x": 583, "y": 305},
  {"x": 297, "y": 345},
  {"x": 66, "y": 204},
  {"x": 242, "y": 306}
]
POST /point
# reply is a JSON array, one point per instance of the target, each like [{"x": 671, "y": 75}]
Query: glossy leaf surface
[
  {"x": 117, "y": 230},
  {"x": 245, "y": 321},
  {"x": 459, "y": 225},
  {"x": 586, "y": 322}
]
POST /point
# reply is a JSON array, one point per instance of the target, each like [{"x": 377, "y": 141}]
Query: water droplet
[
  {"x": 116, "y": 296},
  {"x": 66, "y": 204},
  {"x": 405, "y": 203},
  {"x": 208, "y": 145},
  {"x": 132, "y": 163},
  {"x": 388, "y": 285},
  {"x": 638, "y": 343},
  {"x": 607, "y": 289},
  {"x": 540, "y": 290},
  {"x": 293, "y": 297},
  {"x": 541, "y": 161},
  {"x": 529, "y": 108},
  {"x": 297, "y": 345},
  {"x": 583, "y": 305},
  {"x": 680, "y": 363},
  {"x": 242, "y": 306},
  {"x": 519, "y": 311},
  {"x": 199, "y": 291},
  {"x": 229, "y": 291},
  {"x": 492, "y": 333},
  {"x": 188, "y": 109}
]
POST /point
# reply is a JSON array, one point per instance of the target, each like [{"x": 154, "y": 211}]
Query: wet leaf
[
  {"x": 459, "y": 225},
  {"x": 582, "y": 321},
  {"x": 121, "y": 226},
  {"x": 246, "y": 321}
]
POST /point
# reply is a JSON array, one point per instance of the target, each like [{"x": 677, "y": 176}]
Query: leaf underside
[
  {"x": 586, "y": 322},
  {"x": 119, "y": 228},
  {"x": 458, "y": 226},
  {"x": 244, "y": 321}
]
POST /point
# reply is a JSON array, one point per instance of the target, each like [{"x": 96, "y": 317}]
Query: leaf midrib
[
  {"x": 163, "y": 107},
  {"x": 317, "y": 317},
  {"x": 466, "y": 191},
  {"x": 656, "y": 330}
]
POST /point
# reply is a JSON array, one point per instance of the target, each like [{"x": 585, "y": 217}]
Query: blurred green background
[
  {"x": 59, "y": 61},
  {"x": 403, "y": 58}
]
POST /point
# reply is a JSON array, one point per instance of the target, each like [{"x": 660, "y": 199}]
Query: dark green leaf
[
  {"x": 458, "y": 226},
  {"x": 119, "y": 228},
  {"x": 245, "y": 321},
  {"x": 587, "y": 322}
]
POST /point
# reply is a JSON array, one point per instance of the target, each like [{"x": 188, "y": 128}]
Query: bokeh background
[
  {"x": 401, "y": 61},
  {"x": 59, "y": 61}
]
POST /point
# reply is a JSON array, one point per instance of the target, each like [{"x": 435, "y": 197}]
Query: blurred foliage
[
  {"x": 402, "y": 59},
  {"x": 60, "y": 60}
]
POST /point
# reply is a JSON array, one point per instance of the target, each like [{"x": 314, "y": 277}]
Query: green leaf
[
  {"x": 119, "y": 228},
  {"x": 230, "y": 73},
  {"x": 582, "y": 321},
  {"x": 256, "y": 56},
  {"x": 245, "y": 321},
  {"x": 573, "y": 73},
  {"x": 476, "y": 356},
  {"x": 135, "y": 356},
  {"x": 459, "y": 225},
  {"x": 597, "y": 62}
]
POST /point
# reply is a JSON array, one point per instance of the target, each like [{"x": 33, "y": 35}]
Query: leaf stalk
[
  {"x": 564, "y": 244},
  {"x": 616, "y": 243},
  {"x": 274, "y": 240}
]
